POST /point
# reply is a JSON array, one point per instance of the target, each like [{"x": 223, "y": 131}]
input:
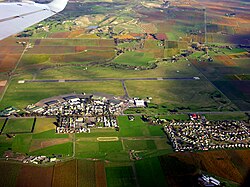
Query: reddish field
[
  {"x": 11, "y": 49},
  {"x": 217, "y": 162},
  {"x": 177, "y": 173},
  {"x": 3, "y": 83},
  {"x": 77, "y": 42},
  {"x": 9, "y": 173},
  {"x": 89, "y": 56},
  {"x": 198, "y": 38},
  {"x": 1, "y": 89},
  {"x": 245, "y": 157},
  {"x": 227, "y": 61},
  {"x": 51, "y": 50},
  {"x": 164, "y": 26},
  {"x": 8, "y": 61},
  {"x": 105, "y": 43},
  {"x": 149, "y": 28},
  {"x": 64, "y": 49},
  {"x": 152, "y": 16},
  {"x": 240, "y": 55},
  {"x": 102, "y": 48},
  {"x": 158, "y": 53},
  {"x": 59, "y": 35},
  {"x": 80, "y": 48},
  {"x": 100, "y": 174},
  {"x": 86, "y": 173},
  {"x": 65, "y": 174},
  {"x": 75, "y": 34},
  {"x": 12, "y": 41},
  {"x": 30, "y": 176}
]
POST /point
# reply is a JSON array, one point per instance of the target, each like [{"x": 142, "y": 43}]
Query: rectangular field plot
[
  {"x": 76, "y": 42},
  {"x": 139, "y": 145},
  {"x": 87, "y": 149},
  {"x": 135, "y": 58},
  {"x": 21, "y": 143},
  {"x": 99, "y": 132},
  {"x": 132, "y": 128},
  {"x": 37, "y": 144},
  {"x": 5, "y": 144},
  {"x": 90, "y": 149},
  {"x": 100, "y": 174},
  {"x": 9, "y": 173},
  {"x": 44, "y": 124},
  {"x": 180, "y": 172},
  {"x": 35, "y": 176},
  {"x": 163, "y": 145},
  {"x": 107, "y": 147},
  {"x": 86, "y": 175},
  {"x": 8, "y": 61},
  {"x": 65, "y": 174},
  {"x": 48, "y": 134},
  {"x": 18, "y": 125},
  {"x": 120, "y": 176},
  {"x": 156, "y": 130},
  {"x": 149, "y": 172},
  {"x": 60, "y": 149}
]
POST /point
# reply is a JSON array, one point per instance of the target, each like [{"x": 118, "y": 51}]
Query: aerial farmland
[{"x": 128, "y": 93}]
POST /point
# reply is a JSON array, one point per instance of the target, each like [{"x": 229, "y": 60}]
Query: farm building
[{"x": 139, "y": 103}]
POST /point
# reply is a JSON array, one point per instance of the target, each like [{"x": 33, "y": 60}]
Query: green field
[
  {"x": 21, "y": 143},
  {"x": 177, "y": 117},
  {"x": 5, "y": 144},
  {"x": 156, "y": 130},
  {"x": 60, "y": 149},
  {"x": 135, "y": 59},
  {"x": 150, "y": 173},
  {"x": 139, "y": 145},
  {"x": 99, "y": 132},
  {"x": 120, "y": 176},
  {"x": 44, "y": 124},
  {"x": 1, "y": 123},
  {"x": 229, "y": 116},
  {"x": 111, "y": 151},
  {"x": 18, "y": 125},
  {"x": 80, "y": 72},
  {"x": 132, "y": 128},
  {"x": 22, "y": 95},
  {"x": 49, "y": 134},
  {"x": 107, "y": 147},
  {"x": 88, "y": 149},
  {"x": 197, "y": 95}
]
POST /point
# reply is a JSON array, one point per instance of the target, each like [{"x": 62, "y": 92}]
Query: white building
[{"x": 139, "y": 103}]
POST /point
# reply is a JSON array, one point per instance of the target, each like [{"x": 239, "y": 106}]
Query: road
[
  {"x": 126, "y": 96},
  {"x": 205, "y": 24},
  {"x": 139, "y": 114},
  {"x": 113, "y": 79}
]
